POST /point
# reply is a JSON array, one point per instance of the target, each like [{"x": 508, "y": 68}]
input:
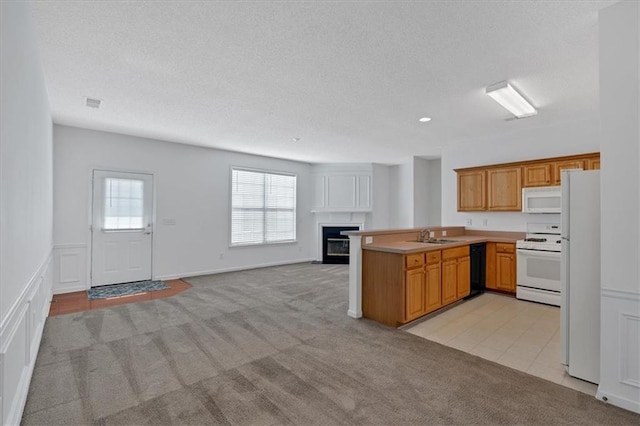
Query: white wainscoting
[
  {"x": 71, "y": 272},
  {"x": 620, "y": 349},
  {"x": 20, "y": 334}
]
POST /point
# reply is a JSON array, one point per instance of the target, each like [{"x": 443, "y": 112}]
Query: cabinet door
[
  {"x": 561, "y": 165},
  {"x": 536, "y": 175},
  {"x": 471, "y": 191},
  {"x": 505, "y": 189},
  {"x": 434, "y": 300},
  {"x": 491, "y": 266},
  {"x": 506, "y": 272},
  {"x": 449, "y": 281},
  {"x": 415, "y": 294},
  {"x": 464, "y": 277}
]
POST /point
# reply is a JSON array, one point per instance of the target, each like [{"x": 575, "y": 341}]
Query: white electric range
[{"x": 539, "y": 257}]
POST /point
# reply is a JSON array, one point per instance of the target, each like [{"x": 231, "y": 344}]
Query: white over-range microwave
[{"x": 545, "y": 199}]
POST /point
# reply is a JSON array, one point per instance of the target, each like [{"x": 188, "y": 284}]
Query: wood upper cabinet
[
  {"x": 415, "y": 294},
  {"x": 471, "y": 191},
  {"x": 505, "y": 267},
  {"x": 536, "y": 175},
  {"x": 562, "y": 165},
  {"x": 593, "y": 163},
  {"x": 505, "y": 189},
  {"x": 498, "y": 187}
]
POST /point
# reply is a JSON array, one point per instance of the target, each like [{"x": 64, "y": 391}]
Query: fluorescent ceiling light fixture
[
  {"x": 504, "y": 94},
  {"x": 425, "y": 119}
]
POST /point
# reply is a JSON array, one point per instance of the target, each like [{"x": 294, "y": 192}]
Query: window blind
[{"x": 263, "y": 207}]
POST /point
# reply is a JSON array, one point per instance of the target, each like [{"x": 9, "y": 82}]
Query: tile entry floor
[{"x": 521, "y": 335}]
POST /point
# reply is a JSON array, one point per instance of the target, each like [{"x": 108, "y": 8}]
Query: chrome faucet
[{"x": 424, "y": 235}]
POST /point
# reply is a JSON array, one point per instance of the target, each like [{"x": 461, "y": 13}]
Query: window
[
  {"x": 123, "y": 204},
  {"x": 263, "y": 207}
]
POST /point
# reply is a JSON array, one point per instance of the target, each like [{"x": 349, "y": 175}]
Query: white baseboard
[
  {"x": 20, "y": 335},
  {"x": 231, "y": 269},
  {"x": 354, "y": 314}
]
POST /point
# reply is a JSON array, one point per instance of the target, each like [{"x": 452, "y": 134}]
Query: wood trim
[{"x": 591, "y": 155}]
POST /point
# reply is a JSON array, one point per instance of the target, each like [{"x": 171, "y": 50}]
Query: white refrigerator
[{"x": 580, "y": 274}]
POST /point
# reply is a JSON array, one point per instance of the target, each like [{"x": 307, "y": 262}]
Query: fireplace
[{"x": 335, "y": 247}]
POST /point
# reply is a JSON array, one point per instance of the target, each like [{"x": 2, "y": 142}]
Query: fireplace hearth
[{"x": 335, "y": 247}]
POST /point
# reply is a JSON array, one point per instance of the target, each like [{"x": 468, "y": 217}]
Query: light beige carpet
[{"x": 275, "y": 346}]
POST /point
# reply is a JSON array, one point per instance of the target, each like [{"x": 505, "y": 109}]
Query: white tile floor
[{"x": 518, "y": 334}]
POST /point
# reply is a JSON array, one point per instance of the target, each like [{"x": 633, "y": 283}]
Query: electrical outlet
[
  {"x": 485, "y": 222},
  {"x": 368, "y": 240},
  {"x": 469, "y": 222},
  {"x": 432, "y": 234},
  {"x": 444, "y": 233}
]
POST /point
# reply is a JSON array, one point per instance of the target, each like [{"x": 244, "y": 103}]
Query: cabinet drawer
[
  {"x": 413, "y": 260},
  {"x": 505, "y": 248},
  {"x": 433, "y": 257},
  {"x": 455, "y": 252}
]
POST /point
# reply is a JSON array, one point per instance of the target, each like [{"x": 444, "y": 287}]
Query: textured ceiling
[{"x": 350, "y": 79}]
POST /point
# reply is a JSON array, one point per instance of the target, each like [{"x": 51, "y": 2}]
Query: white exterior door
[{"x": 122, "y": 228}]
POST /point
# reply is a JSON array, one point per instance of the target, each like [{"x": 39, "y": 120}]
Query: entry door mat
[{"x": 126, "y": 289}]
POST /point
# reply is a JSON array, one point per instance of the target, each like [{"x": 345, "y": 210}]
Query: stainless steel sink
[{"x": 435, "y": 241}]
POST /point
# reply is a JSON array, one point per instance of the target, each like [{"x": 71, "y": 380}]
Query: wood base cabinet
[
  {"x": 415, "y": 294},
  {"x": 501, "y": 267},
  {"x": 434, "y": 287},
  {"x": 399, "y": 288},
  {"x": 456, "y": 279}
]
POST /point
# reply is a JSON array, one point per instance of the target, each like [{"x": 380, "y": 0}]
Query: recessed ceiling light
[
  {"x": 425, "y": 119},
  {"x": 296, "y": 139}
]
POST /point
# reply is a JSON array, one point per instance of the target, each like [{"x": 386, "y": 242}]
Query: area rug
[{"x": 126, "y": 289}]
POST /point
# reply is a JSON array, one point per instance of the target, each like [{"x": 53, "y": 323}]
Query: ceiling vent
[{"x": 92, "y": 102}]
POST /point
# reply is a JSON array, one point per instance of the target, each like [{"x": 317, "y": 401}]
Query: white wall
[
  {"x": 191, "y": 186},
  {"x": 434, "y": 192},
  {"x": 420, "y": 192},
  {"x": 381, "y": 208},
  {"x": 565, "y": 139},
  {"x": 414, "y": 193},
  {"x": 25, "y": 206},
  {"x": 427, "y": 201},
  {"x": 620, "y": 211},
  {"x": 401, "y": 195}
]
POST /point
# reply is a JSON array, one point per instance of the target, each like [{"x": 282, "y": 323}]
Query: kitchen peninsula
[{"x": 397, "y": 276}]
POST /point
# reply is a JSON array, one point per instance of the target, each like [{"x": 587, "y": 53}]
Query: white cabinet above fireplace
[{"x": 342, "y": 191}]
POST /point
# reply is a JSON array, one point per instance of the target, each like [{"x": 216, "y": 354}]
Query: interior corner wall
[
  {"x": 381, "y": 207},
  {"x": 420, "y": 192},
  {"x": 26, "y": 206},
  {"x": 192, "y": 188},
  {"x": 619, "y": 36},
  {"x": 568, "y": 138},
  {"x": 401, "y": 195},
  {"x": 434, "y": 192}
]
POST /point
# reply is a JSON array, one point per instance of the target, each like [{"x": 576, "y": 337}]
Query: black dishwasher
[{"x": 478, "y": 253}]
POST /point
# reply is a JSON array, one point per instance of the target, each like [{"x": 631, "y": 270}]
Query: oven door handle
[{"x": 539, "y": 253}]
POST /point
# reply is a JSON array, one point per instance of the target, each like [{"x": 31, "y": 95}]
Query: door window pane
[{"x": 123, "y": 204}]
